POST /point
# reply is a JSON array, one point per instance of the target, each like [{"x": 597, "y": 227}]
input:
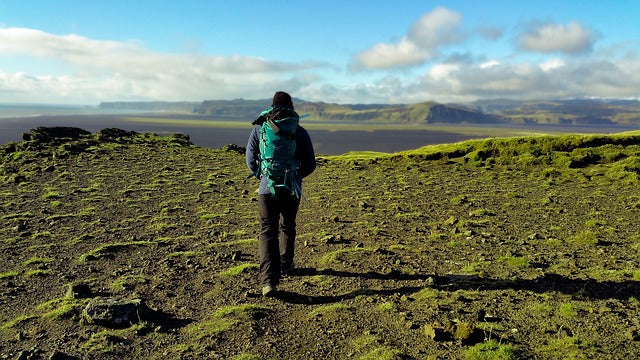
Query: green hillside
[
  {"x": 500, "y": 248},
  {"x": 573, "y": 111}
]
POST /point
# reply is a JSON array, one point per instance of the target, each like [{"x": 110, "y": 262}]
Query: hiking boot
[
  {"x": 269, "y": 290},
  {"x": 287, "y": 270}
]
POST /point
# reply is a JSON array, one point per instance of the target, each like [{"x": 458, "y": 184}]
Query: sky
[{"x": 347, "y": 51}]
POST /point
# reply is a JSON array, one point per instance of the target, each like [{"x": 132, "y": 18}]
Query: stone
[
  {"x": 58, "y": 355},
  {"x": 115, "y": 312},
  {"x": 51, "y": 134},
  {"x": 234, "y": 148},
  {"x": 329, "y": 239},
  {"x": 79, "y": 291},
  {"x": 436, "y": 333}
]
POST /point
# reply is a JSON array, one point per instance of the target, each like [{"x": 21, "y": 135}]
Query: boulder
[
  {"x": 116, "y": 312},
  {"x": 47, "y": 135},
  {"x": 114, "y": 135}
]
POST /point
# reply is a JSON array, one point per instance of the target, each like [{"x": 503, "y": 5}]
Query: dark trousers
[{"x": 277, "y": 217}]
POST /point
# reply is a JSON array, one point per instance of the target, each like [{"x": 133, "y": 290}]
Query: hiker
[{"x": 279, "y": 153}]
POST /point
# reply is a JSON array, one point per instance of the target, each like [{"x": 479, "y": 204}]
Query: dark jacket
[{"x": 304, "y": 154}]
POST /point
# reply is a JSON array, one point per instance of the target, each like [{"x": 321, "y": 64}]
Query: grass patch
[
  {"x": 8, "y": 274},
  {"x": 565, "y": 347},
  {"x": 20, "y": 319},
  {"x": 235, "y": 243},
  {"x": 37, "y": 260},
  {"x": 61, "y": 308},
  {"x": 111, "y": 248},
  {"x": 490, "y": 350},
  {"x": 331, "y": 309},
  {"x": 518, "y": 262},
  {"x": 388, "y": 307},
  {"x": 129, "y": 282},
  {"x": 585, "y": 238},
  {"x": 236, "y": 270},
  {"x": 185, "y": 254},
  {"x": 568, "y": 310},
  {"x": 38, "y": 273}
]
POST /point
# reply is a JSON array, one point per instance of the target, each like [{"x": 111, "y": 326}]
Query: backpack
[{"x": 277, "y": 141}]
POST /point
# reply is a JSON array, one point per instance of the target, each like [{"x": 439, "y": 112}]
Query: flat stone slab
[{"x": 115, "y": 312}]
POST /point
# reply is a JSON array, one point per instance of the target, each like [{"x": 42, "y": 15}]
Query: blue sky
[{"x": 84, "y": 52}]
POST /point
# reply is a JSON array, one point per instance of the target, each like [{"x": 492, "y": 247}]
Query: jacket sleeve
[
  {"x": 305, "y": 153},
  {"x": 253, "y": 151}
]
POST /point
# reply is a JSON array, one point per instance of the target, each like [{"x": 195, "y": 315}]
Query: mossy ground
[{"x": 485, "y": 249}]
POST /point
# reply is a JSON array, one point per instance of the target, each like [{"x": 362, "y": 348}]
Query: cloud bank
[
  {"x": 429, "y": 62},
  {"x": 571, "y": 39},
  {"x": 111, "y": 69}
]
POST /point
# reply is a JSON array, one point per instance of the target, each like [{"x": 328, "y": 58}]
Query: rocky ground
[{"x": 404, "y": 257}]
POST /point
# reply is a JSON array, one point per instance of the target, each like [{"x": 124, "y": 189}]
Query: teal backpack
[{"x": 278, "y": 152}]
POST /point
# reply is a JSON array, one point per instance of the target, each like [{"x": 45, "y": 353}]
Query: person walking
[{"x": 280, "y": 153}]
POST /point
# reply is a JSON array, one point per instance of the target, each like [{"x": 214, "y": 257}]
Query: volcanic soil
[{"x": 398, "y": 257}]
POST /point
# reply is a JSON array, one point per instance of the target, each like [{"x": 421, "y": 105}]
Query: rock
[
  {"x": 436, "y": 333},
  {"x": 329, "y": 239},
  {"x": 79, "y": 291},
  {"x": 17, "y": 179},
  {"x": 234, "y": 148},
  {"x": 114, "y": 135},
  {"x": 114, "y": 312},
  {"x": 463, "y": 330},
  {"x": 58, "y": 355},
  {"x": 50, "y": 134}
]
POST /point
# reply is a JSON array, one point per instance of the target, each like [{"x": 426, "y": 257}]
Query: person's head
[{"x": 281, "y": 98}]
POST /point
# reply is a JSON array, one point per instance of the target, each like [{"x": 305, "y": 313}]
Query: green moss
[
  {"x": 565, "y": 347},
  {"x": 482, "y": 212},
  {"x": 515, "y": 261},
  {"x": 587, "y": 238},
  {"x": 37, "y": 273},
  {"x": 388, "y": 307},
  {"x": 383, "y": 353},
  {"x": 13, "y": 323},
  {"x": 38, "y": 260},
  {"x": 111, "y": 248},
  {"x": 490, "y": 350},
  {"x": 129, "y": 281},
  {"x": 60, "y": 308},
  {"x": 236, "y": 270},
  {"x": 568, "y": 310},
  {"x": 208, "y": 328},
  {"x": 8, "y": 274},
  {"x": 330, "y": 310},
  {"x": 246, "y": 356},
  {"x": 244, "y": 242},
  {"x": 104, "y": 342}
]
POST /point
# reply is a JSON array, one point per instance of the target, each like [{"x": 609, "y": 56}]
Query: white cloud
[
  {"x": 552, "y": 64},
  {"x": 573, "y": 38},
  {"x": 104, "y": 70},
  {"x": 422, "y": 42},
  {"x": 489, "y": 64},
  {"x": 442, "y": 71}
]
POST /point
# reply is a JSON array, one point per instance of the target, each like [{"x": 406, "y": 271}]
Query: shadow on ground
[{"x": 586, "y": 288}]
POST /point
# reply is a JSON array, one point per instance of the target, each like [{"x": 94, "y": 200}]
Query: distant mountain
[
  {"x": 566, "y": 111},
  {"x": 178, "y": 106},
  {"x": 588, "y": 111}
]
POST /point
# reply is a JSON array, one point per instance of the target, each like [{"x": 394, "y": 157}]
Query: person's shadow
[{"x": 587, "y": 288}]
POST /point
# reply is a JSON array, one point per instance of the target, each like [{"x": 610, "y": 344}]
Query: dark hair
[{"x": 281, "y": 98}]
